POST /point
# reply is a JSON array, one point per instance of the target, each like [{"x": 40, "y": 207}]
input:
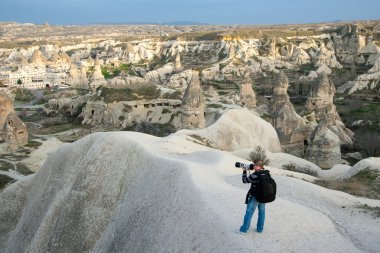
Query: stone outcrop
[
  {"x": 371, "y": 52},
  {"x": 37, "y": 58},
  {"x": 6, "y": 107},
  {"x": 247, "y": 95},
  {"x": 178, "y": 66},
  {"x": 289, "y": 126},
  {"x": 193, "y": 104},
  {"x": 180, "y": 80},
  {"x": 83, "y": 80},
  {"x": 323, "y": 145},
  {"x": 160, "y": 75},
  {"x": 320, "y": 98},
  {"x": 126, "y": 113},
  {"x": 60, "y": 58},
  {"x": 97, "y": 78},
  {"x": 370, "y": 80},
  {"x": 15, "y": 132},
  {"x": 73, "y": 78},
  {"x": 325, "y": 56}
]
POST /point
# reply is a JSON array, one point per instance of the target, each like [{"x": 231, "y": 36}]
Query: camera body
[{"x": 244, "y": 166}]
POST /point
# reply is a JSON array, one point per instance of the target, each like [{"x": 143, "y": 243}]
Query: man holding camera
[{"x": 250, "y": 200}]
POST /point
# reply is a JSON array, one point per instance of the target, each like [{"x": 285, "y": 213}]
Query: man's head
[{"x": 259, "y": 164}]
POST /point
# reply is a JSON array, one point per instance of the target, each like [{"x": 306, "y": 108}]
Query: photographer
[{"x": 250, "y": 199}]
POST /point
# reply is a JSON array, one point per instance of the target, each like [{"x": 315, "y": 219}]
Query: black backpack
[{"x": 265, "y": 190}]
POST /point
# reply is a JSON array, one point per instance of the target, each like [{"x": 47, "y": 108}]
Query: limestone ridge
[
  {"x": 247, "y": 95},
  {"x": 193, "y": 104},
  {"x": 320, "y": 98},
  {"x": 289, "y": 125}
]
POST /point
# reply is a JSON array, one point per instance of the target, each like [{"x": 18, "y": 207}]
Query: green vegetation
[
  {"x": 5, "y": 180},
  {"x": 306, "y": 68},
  {"x": 364, "y": 184},
  {"x": 165, "y": 110},
  {"x": 33, "y": 144},
  {"x": 5, "y": 166},
  {"x": 24, "y": 95},
  {"x": 375, "y": 211},
  {"x": 53, "y": 129},
  {"x": 146, "y": 91},
  {"x": 214, "y": 106},
  {"x": 175, "y": 95},
  {"x": 201, "y": 140},
  {"x": 23, "y": 169},
  {"x": 109, "y": 95},
  {"x": 155, "y": 129},
  {"x": 293, "y": 167}
]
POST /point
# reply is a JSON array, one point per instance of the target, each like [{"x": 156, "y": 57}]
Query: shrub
[
  {"x": 259, "y": 154},
  {"x": 148, "y": 91},
  {"x": 175, "y": 95},
  {"x": 23, "y": 94},
  {"x": 293, "y": 167},
  {"x": 5, "y": 180}
]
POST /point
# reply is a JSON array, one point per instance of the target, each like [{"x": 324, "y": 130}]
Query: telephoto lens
[{"x": 244, "y": 166}]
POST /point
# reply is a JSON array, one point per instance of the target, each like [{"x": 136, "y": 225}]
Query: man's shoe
[{"x": 241, "y": 232}]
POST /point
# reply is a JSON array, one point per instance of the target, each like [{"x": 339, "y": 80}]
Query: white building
[
  {"x": 54, "y": 78},
  {"x": 28, "y": 77}
]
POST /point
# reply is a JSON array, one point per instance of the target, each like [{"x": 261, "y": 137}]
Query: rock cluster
[
  {"x": 320, "y": 99},
  {"x": 289, "y": 125}
]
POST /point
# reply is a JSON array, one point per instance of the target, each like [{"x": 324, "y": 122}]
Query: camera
[{"x": 244, "y": 166}]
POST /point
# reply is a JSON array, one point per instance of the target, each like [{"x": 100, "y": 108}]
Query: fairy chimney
[
  {"x": 193, "y": 104},
  {"x": 247, "y": 95},
  {"x": 289, "y": 125},
  {"x": 324, "y": 145}
]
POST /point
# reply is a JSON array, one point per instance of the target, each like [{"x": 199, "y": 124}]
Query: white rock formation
[
  {"x": 244, "y": 128},
  {"x": 97, "y": 78},
  {"x": 371, "y": 81},
  {"x": 193, "y": 104}
]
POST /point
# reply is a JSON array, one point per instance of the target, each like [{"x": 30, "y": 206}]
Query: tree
[
  {"x": 259, "y": 154},
  {"x": 19, "y": 81}
]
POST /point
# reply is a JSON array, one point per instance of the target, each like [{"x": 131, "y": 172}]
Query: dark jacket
[{"x": 253, "y": 180}]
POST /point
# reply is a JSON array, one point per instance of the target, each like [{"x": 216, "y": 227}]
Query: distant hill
[{"x": 152, "y": 23}]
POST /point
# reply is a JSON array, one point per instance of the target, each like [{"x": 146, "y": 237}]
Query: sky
[{"x": 82, "y": 12}]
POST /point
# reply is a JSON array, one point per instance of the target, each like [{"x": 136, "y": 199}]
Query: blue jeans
[{"x": 251, "y": 206}]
